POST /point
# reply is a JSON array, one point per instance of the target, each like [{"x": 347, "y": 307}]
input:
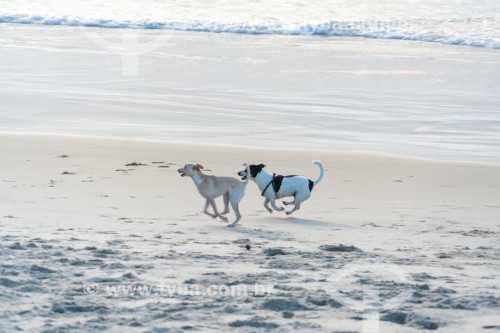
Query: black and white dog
[{"x": 275, "y": 187}]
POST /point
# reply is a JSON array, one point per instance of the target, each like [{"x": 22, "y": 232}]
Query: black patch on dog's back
[
  {"x": 278, "y": 180},
  {"x": 311, "y": 185},
  {"x": 277, "y": 183}
]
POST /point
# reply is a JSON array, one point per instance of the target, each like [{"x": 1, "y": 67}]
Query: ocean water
[
  {"x": 280, "y": 77},
  {"x": 296, "y": 92},
  {"x": 459, "y": 22}
]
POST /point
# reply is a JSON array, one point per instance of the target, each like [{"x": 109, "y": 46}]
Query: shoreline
[{"x": 7, "y": 134}]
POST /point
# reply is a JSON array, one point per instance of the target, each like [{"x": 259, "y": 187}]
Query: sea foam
[{"x": 451, "y": 22}]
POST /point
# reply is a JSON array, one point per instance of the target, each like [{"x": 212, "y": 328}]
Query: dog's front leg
[
  {"x": 266, "y": 206},
  {"x": 212, "y": 203},
  {"x": 205, "y": 210},
  {"x": 273, "y": 204}
]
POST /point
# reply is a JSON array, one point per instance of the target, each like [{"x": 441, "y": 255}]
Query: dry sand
[{"x": 72, "y": 213}]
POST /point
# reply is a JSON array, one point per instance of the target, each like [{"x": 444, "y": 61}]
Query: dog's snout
[
  {"x": 182, "y": 171},
  {"x": 243, "y": 174}
]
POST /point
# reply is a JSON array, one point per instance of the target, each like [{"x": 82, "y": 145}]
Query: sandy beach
[{"x": 76, "y": 217}]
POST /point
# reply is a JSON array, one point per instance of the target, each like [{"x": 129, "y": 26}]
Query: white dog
[
  {"x": 211, "y": 187},
  {"x": 275, "y": 187}
]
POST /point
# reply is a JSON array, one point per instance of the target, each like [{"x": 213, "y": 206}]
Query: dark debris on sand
[
  {"x": 135, "y": 164},
  {"x": 255, "y": 322},
  {"x": 339, "y": 248},
  {"x": 271, "y": 252}
]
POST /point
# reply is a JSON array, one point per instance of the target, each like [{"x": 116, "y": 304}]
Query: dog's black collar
[{"x": 272, "y": 181}]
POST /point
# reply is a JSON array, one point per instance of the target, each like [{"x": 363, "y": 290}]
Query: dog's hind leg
[
  {"x": 226, "y": 204},
  {"x": 289, "y": 202},
  {"x": 298, "y": 201},
  {"x": 212, "y": 203},
  {"x": 205, "y": 210},
  {"x": 297, "y": 207}
]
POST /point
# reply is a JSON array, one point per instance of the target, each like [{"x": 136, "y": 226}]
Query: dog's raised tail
[
  {"x": 321, "y": 172},
  {"x": 248, "y": 172}
]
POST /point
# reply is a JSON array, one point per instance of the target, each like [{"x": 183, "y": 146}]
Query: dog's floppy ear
[
  {"x": 199, "y": 167},
  {"x": 262, "y": 166}
]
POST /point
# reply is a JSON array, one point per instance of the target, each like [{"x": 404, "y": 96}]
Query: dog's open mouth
[
  {"x": 183, "y": 174},
  {"x": 243, "y": 177}
]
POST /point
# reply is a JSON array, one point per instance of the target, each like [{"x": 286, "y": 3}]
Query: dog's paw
[
  {"x": 224, "y": 219},
  {"x": 231, "y": 225},
  {"x": 280, "y": 209}
]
